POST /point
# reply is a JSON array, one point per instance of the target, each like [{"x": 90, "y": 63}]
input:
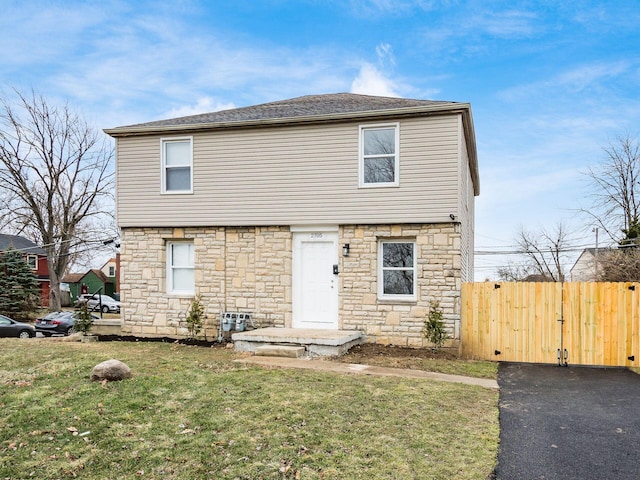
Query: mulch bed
[
  {"x": 181, "y": 341},
  {"x": 372, "y": 350}
]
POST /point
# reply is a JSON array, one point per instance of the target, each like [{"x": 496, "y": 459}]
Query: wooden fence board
[{"x": 519, "y": 322}]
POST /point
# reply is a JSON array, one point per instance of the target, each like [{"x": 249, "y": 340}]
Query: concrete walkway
[{"x": 352, "y": 368}]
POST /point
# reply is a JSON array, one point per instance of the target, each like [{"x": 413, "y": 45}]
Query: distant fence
[{"x": 580, "y": 323}]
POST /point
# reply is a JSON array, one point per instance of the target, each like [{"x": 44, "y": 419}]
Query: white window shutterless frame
[
  {"x": 177, "y": 165},
  {"x": 180, "y": 268},
  {"x": 379, "y": 155},
  {"x": 397, "y": 270}
]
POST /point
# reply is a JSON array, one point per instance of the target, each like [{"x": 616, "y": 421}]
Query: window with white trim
[
  {"x": 32, "y": 260},
  {"x": 177, "y": 165},
  {"x": 397, "y": 270},
  {"x": 379, "y": 157},
  {"x": 112, "y": 271},
  {"x": 180, "y": 268}
]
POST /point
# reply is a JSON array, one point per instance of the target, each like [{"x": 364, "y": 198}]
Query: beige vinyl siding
[
  {"x": 466, "y": 215},
  {"x": 292, "y": 175}
]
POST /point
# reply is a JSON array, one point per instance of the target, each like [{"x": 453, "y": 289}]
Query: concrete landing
[{"x": 317, "y": 343}]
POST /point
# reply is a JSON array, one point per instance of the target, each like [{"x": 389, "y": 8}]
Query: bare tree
[
  {"x": 545, "y": 255},
  {"x": 56, "y": 175},
  {"x": 619, "y": 265},
  {"x": 615, "y": 187},
  {"x": 515, "y": 272}
]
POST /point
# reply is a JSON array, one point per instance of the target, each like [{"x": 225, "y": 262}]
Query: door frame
[{"x": 301, "y": 233}]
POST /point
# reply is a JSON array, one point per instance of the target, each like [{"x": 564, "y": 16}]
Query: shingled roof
[
  {"x": 309, "y": 108},
  {"x": 20, "y": 243}
]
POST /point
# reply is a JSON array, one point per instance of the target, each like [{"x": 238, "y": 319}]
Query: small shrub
[
  {"x": 84, "y": 319},
  {"x": 434, "y": 329},
  {"x": 195, "y": 316}
]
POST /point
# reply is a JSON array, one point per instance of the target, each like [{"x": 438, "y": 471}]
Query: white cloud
[
  {"x": 370, "y": 81},
  {"x": 385, "y": 55},
  {"x": 507, "y": 24},
  {"x": 203, "y": 105},
  {"x": 571, "y": 81}
]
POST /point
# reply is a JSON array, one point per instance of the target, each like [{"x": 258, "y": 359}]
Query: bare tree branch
[
  {"x": 56, "y": 176},
  {"x": 544, "y": 253},
  {"x": 615, "y": 187}
]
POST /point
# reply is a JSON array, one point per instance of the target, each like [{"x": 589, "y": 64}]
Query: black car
[
  {"x": 58, "y": 323},
  {"x": 11, "y": 328}
]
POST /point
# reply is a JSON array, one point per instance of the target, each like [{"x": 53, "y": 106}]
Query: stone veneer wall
[
  {"x": 438, "y": 278},
  {"x": 237, "y": 269},
  {"x": 248, "y": 269}
]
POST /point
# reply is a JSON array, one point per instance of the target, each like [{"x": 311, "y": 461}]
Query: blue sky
[{"x": 550, "y": 83}]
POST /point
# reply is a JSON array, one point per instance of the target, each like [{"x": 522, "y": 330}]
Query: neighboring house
[
  {"x": 586, "y": 268},
  {"x": 111, "y": 269},
  {"x": 89, "y": 282},
  {"x": 336, "y": 211},
  {"x": 35, "y": 256}
]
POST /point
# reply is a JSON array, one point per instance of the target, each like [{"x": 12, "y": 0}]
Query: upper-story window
[
  {"x": 379, "y": 157},
  {"x": 112, "y": 271},
  {"x": 32, "y": 260},
  {"x": 177, "y": 165}
]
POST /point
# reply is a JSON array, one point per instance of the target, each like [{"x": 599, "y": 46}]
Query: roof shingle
[
  {"x": 20, "y": 243},
  {"x": 306, "y": 106}
]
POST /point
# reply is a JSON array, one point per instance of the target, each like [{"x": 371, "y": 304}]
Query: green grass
[{"x": 191, "y": 413}]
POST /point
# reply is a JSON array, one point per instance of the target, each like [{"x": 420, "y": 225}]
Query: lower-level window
[
  {"x": 397, "y": 270},
  {"x": 180, "y": 266}
]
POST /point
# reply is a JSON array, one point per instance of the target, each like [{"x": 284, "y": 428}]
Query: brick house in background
[
  {"x": 336, "y": 211},
  {"x": 35, "y": 256}
]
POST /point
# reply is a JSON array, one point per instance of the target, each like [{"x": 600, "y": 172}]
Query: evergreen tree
[
  {"x": 19, "y": 291},
  {"x": 631, "y": 234}
]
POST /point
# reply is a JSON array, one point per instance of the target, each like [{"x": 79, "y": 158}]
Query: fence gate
[{"x": 543, "y": 322}]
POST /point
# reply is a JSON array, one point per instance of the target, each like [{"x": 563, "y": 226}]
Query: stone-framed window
[
  {"x": 379, "y": 155},
  {"x": 180, "y": 268},
  {"x": 397, "y": 270},
  {"x": 177, "y": 165}
]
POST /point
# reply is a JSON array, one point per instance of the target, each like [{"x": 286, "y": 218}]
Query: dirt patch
[
  {"x": 368, "y": 350},
  {"x": 181, "y": 341},
  {"x": 394, "y": 356}
]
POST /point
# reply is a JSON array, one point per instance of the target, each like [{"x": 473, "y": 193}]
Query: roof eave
[
  {"x": 470, "y": 138},
  {"x": 450, "y": 108}
]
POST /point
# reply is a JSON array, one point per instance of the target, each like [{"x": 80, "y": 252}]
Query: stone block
[{"x": 393, "y": 318}]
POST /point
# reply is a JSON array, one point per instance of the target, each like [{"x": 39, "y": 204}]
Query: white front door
[{"x": 315, "y": 285}]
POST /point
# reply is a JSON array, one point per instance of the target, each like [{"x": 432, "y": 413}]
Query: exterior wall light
[{"x": 345, "y": 250}]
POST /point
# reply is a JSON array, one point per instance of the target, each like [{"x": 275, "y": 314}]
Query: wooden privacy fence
[{"x": 580, "y": 323}]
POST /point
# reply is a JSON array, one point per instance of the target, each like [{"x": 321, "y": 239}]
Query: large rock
[{"x": 110, "y": 370}]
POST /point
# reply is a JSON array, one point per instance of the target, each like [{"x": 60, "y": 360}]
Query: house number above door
[{"x": 317, "y": 235}]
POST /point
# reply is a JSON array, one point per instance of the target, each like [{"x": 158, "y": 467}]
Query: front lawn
[{"x": 191, "y": 412}]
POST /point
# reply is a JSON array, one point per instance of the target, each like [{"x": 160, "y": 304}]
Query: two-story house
[
  {"x": 36, "y": 258},
  {"x": 335, "y": 211}
]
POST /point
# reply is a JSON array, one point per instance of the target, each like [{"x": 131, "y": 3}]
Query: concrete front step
[
  {"x": 317, "y": 343},
  {"x": 287, "y": 351}
]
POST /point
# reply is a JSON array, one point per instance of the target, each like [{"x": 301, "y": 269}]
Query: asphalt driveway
[{"x": 568, "y": 423}]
